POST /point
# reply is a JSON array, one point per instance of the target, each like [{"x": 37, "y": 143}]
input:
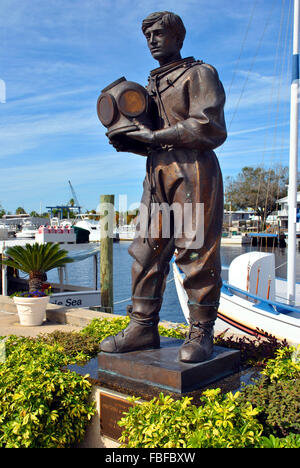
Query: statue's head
[{"x": 165, "y": 33}]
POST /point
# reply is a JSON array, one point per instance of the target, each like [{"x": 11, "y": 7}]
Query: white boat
[
  {"x": 90, "y": 225},
  {"x": 252, "y": 298},
  {"x": 235, "y": 239},
  {"x": 94, "y": 229},
  {"x": 57, "y": 234},
  {"x": 28, "y": 231}
]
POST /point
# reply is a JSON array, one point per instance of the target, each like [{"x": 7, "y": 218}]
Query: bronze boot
[
  {"x": 198, "y": 345},
  {"x": 142, "y": 331}
]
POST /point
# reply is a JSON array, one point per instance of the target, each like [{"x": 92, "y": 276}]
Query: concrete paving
[
  {"x": 9, "y": 325},
  {"x": 58, "y": 318},
  {"x": 68, "y": 319}
]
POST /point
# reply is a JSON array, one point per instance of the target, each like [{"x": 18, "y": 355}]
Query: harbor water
[{"x": 81, "y": 274}]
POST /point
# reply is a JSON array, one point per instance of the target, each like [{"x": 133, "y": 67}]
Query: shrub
[
  {"x": 285, "y": 365},
  {"x": 277, "y": 393},
  {"x": 177, "y": 332},
  {"x": 80, "y": 346},
  {"x": 279, "y": 403},
  {"x": 291, "y": 441},
  {"x": 165, "y": 423},
  {"x": 40, "y": 405},
  {"x": 253, "y": 350},
  {"x": 161, "y": 422},
  {"x": 100, "y": 329},
  {"x": 225, "y": 423}
]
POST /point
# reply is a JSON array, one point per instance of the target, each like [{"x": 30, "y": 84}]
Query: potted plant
[{"x": 36, "y": 260}]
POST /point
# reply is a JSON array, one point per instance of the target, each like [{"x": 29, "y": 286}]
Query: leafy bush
[
  {"x": 285, "y": 365},
  {"x": 253, "y": 350},
  {"x": 277, "y": 393},
  {"x": 223, "y": 422},
  {"x": 165, "y": 423},
  {"x": 100, "y": 329},
  {"x": 291, "y": 441},
  {"x": 40, "y": 405},
  {"x": 80, "y": 346},
  {"x": 161, "y": 422},
  {"x": 279, "y": 403},
  {"x": 178, "y": 332}
]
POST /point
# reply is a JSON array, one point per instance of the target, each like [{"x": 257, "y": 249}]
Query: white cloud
[
  {"x": 19, "y": 136},
  {"x": 257, "y": 129},
  {"x": 47, "y": 181}
]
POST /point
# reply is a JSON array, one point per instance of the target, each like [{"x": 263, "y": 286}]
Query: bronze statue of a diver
[{"x": 182, "y": 168}]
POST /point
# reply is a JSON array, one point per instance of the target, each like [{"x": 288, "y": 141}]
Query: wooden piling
[{"x": 106, "y": 252}]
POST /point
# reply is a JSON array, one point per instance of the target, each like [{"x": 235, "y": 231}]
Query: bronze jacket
[{"x": 190, "y": 100}]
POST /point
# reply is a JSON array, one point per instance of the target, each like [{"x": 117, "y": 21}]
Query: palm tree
[{"x": 36, "y": 260}]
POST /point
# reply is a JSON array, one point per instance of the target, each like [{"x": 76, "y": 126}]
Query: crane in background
[
  {"x": 63, "y": 211},
  {"x": 76, "y": 205}
]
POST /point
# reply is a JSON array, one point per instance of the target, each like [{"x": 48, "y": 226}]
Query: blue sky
[{"x": 57, "y": 55}]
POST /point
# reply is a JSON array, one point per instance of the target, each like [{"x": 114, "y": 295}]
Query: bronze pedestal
[{"x": 161, "y": 367}]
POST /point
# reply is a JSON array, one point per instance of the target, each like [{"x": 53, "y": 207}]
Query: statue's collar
[{"x": 171, "y": 66}]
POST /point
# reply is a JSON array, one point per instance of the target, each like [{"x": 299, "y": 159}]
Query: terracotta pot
[{"x": 31, "y": 310}]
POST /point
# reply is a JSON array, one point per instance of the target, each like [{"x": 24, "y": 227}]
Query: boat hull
[
  {"x": 236, "y": 240},
  {"x": 252, "y": 317}
]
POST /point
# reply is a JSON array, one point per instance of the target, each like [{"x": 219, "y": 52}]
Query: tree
[
  {"x": 36, "y": 260},
  {"x": 20, "y": 210},
  {"x": 257, "y": 188},
  {"x": 2, "y": 211},
  {"x": 34, "y": 214}
]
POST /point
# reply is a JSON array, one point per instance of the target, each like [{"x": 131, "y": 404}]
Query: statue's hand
[
  {"x": 117, "y": 145},
  {"x": 143, "y": 134},
  {"x": 122, "y": 143}
]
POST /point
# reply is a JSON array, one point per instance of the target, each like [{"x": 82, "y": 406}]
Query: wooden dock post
[{"x": 106, "y": 252}]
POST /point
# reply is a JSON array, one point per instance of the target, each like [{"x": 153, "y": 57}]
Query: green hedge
[
  {"x": 277, "y": 393},
  {"x": 166, "y": 423},
  {"x": 248, "y": 419},
  {"x": 41, "y": 405}
]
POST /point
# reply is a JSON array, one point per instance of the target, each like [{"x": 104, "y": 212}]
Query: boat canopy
[
  {"x": 79, "y": 255},
  {"x": 261, "y": 234}
]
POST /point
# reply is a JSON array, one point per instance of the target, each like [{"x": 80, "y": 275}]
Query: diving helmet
[{"x": 120, "y": 103}]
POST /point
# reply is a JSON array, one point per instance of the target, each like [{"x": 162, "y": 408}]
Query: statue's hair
[{"x": 168, "y": 20}]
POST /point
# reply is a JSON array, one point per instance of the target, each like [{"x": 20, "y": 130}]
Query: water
[{"x": 81, "y": 274}]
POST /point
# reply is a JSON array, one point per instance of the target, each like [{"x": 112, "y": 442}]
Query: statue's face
[{"x": 162, "y": 44}]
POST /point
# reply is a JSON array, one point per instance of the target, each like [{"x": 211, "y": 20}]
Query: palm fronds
[{"x": 38, "y": 258}]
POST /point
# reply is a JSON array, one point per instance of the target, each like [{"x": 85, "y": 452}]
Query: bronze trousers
[{"x": 181, "y": 211}]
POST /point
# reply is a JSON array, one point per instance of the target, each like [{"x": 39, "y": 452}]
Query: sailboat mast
[{"x": 293, "y": 163}]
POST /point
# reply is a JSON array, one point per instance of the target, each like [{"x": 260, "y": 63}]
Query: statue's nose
[{"x": 153, "y": 39}]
